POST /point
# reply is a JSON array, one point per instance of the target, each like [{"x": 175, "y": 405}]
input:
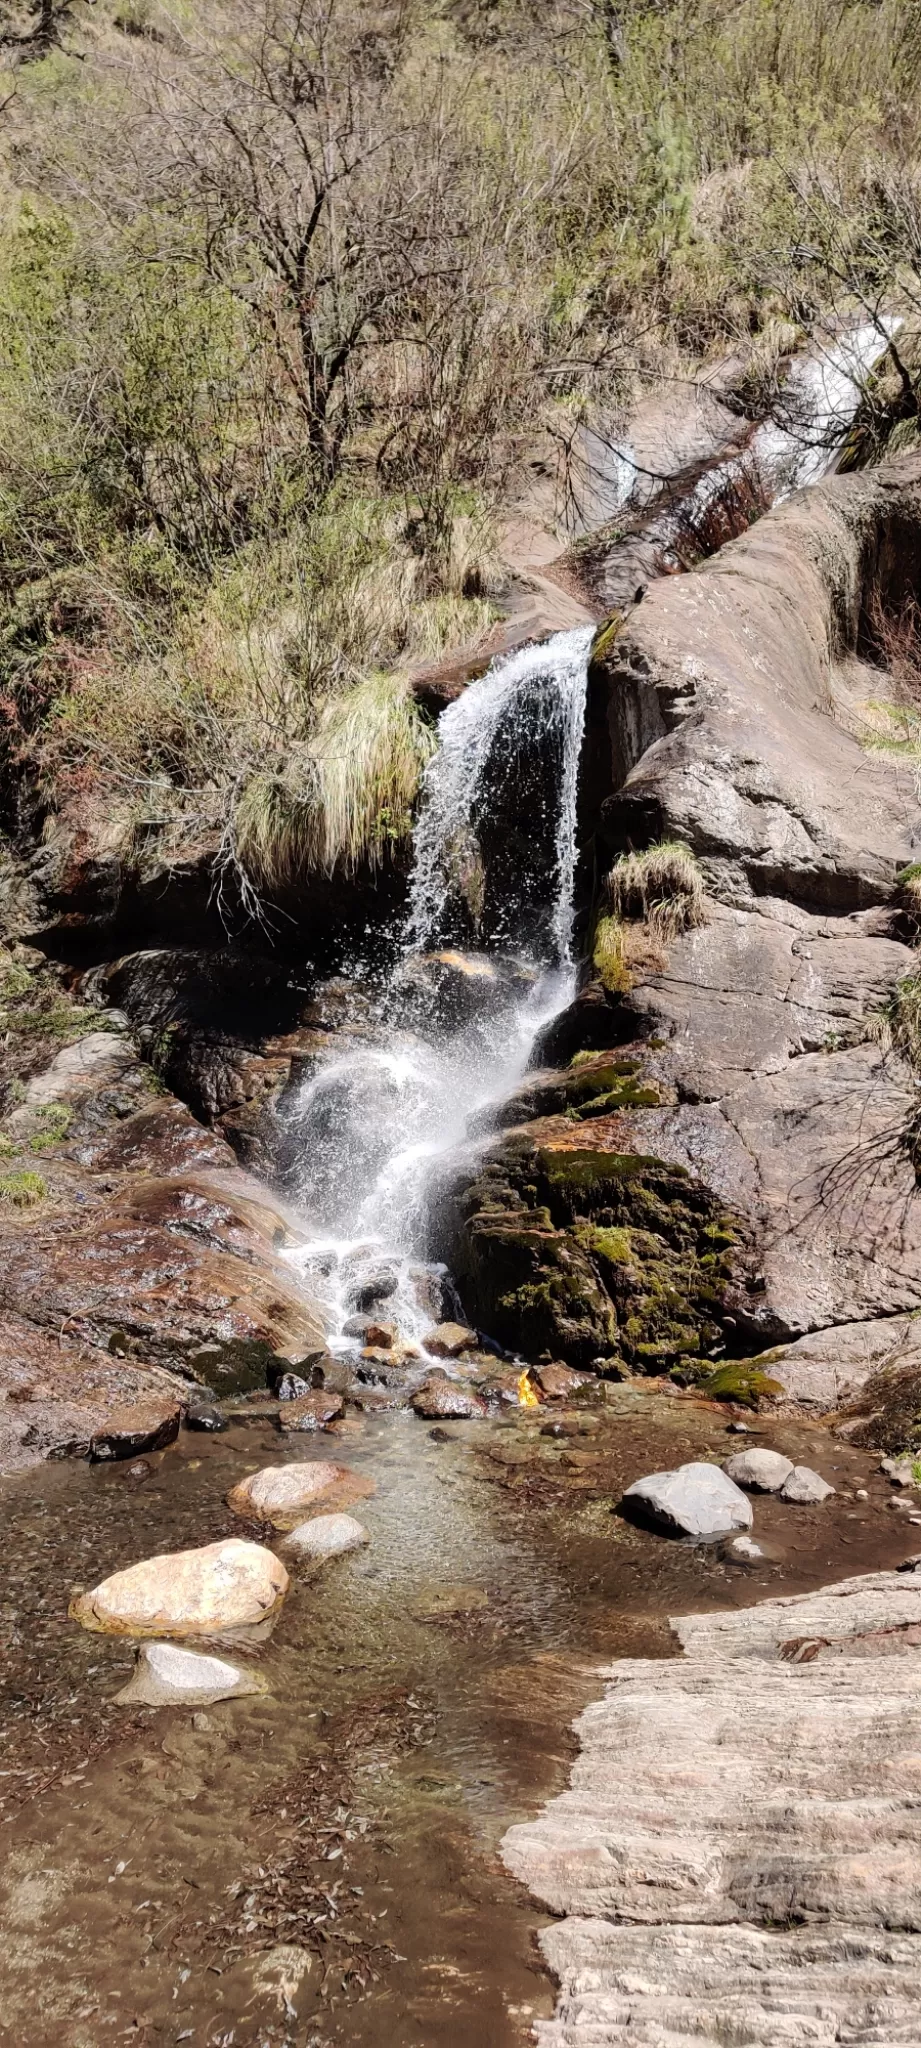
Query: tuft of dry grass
[
  {"x": 621, "y": 952},
  {"x": 662, "y": 888},
  {"x": 345, "y": 795}
]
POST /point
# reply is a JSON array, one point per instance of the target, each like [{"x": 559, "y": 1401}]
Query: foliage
[
  {"x": 290, "y": 297},
  {"x": 343, "y": 796},
  {"x": 22, "y": 1190}
]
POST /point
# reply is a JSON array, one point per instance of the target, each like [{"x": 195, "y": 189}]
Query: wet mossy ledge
[{"x": 586, "y": 1248}]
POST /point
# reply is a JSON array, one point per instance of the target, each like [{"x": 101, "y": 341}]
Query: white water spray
[{"x": 378, "y": 1123}]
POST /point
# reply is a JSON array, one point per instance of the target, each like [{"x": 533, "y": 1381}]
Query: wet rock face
[
  {"x": 573, "y": 1242},
  {"x": 716, "y": 1881},
  {"x": 147, "y": 1260}
]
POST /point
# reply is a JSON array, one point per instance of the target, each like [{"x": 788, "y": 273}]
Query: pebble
[
  {"x": 737, "y": 1429},
  {"x": 861, "y": 1493},
  {"x": 743, "y": 1550}
]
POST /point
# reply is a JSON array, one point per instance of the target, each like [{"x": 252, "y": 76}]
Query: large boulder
[
  {"x": 224, "y": 1590},
  {"x": 694, "y": 1500}
]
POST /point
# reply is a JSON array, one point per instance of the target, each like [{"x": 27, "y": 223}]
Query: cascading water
[{"x": 377, "y": 1124}]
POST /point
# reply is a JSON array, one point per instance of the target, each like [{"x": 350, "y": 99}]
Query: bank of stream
[{"x": 319, "y": 1865}]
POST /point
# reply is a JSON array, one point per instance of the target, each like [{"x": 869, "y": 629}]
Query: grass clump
[
  {"x": 22, "y": 1190},
  {"x": 346, "y": 794},
  {"x": 621, "y": 951},
  {"x": 54, "y": 1120},
  {"x": 661, "y": 888}
]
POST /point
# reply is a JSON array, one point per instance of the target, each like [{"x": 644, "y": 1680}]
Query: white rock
[
  {"x": 698, "y": 1499},
  {"x": 805, "y": 1486},
  {"x": 762, "y": 1471},
  {"x": 165, "y": 1676},
  {"x": 327, "y": 1536},
  {"x": 744, "y": 1551}
]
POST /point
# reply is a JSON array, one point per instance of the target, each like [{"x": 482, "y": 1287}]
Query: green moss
[
  {"x": 7, "y": 1148},
  {"x": 605, "y": 637},
  {"x": 740, "y": 1380},
  {"x": 614, "y": 1245},
  {"x": 587, "y": 1170},
  {"x": 22, "y": 1190}
]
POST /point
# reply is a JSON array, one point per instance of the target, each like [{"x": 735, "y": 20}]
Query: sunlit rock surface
[
  {"x": 220, "y": 1590},
  {"x": 738, "y": 1856}
]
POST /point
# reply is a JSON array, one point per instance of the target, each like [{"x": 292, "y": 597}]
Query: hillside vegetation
[{"x": 289, "y": 293}]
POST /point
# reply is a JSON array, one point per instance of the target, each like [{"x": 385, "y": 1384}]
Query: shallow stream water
[{"x": 421, "y": 1696}]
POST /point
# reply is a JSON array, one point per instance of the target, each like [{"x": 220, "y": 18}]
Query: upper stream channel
[{"x": 318, "y": 1865}]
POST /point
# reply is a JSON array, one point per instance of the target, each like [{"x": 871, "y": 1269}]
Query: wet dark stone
[
  {"x": 444, "y": 1397},
  {"x": 376, "y": 1287},
  {"x": 202, "y": 1415},
  {"x": 291, "y": 1386},
  {"x": 137, "y": 1427}
]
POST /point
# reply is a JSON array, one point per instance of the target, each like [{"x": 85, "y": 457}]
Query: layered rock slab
[{"x": 762, "y": 1780}]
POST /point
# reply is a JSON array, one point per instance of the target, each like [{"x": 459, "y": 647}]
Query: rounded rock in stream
[
  {"x": 312, "y": 1410},
  {"x": 761, "y": 1471},
  {"x": 446, "y": 1399},
  {"x": 805, "y": 1487},
  {"x": 204, "y": 1415},
  {"x": 449, "y": 1340},
  {"x": 165, "y": 1676},
  {"x": 327, "y": 1536},
  {"x": 694, "y": 1500},
  {"x": 223, "y": 1589},
  {"x": 280, "y": 1493},
  {"x": 136, "y": 1427}
]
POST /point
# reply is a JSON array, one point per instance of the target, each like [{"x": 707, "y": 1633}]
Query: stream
[{"x": 318, "y": 1865}]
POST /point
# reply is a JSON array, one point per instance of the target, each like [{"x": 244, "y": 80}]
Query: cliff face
[{"x": 724, "y": 714}]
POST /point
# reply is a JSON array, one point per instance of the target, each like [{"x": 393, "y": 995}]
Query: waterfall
[
  {"x": 376, "y": 1126},
  {"x": 537, "y": 689}
]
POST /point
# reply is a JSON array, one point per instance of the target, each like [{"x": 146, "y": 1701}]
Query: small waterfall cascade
[{"x": 376, "y": 1126}]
